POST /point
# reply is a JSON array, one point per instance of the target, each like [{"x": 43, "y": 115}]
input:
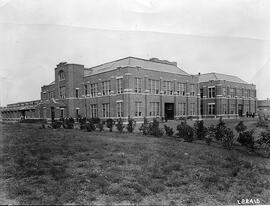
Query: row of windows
[
  {"x": 154, "y": 109},
  {"x": 225, "y": 109},
  {"x": 229, "y": 91}
]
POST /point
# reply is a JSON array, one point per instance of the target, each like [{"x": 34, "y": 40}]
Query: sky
[{"x": 223, "y": 36}]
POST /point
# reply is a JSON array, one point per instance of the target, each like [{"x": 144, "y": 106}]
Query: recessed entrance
[
  {"x": 240, "y": 110},
  {"x": 169, "y": 110}
]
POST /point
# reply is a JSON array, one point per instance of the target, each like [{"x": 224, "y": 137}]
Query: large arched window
[{"x": 61, "y": 75}]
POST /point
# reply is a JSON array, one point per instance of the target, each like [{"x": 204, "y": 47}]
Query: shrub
[
  {"x": 145, "y": 127},
  {"x": 240, "y": 127},
  {"x": 110, "y": 123},
  {"x": 119, "y": 125},
  {"x": 247, "y": 139},
  {"x": 200, "y": 129},
  {"x": 154, "y": 128},
  {"x": 68, "y": 123},
  {"x": 211, "y": 132},
  {"x": 56, "y": 124},
  {"x": 220, "y": 130},
  {"x": 131, "y": 125},
  {"x": 185, "y": 131},
  {"x": 101, "y": 126},
  {"x": 264, "y": 141},
  {"x": 169, "y": 131},
  {"x": 95, "y": 120},
  {"x": 90, "y": 126},
  {"x": 227, "y": 139}
]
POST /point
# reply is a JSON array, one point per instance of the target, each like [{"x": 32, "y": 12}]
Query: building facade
[
  {"x": 225, "y": 95},
  {"x": 264, "y": 108},
  {"x": 136, "y": 88}
]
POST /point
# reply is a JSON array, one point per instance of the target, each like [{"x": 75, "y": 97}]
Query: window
[
  {"x": 211, "y": 108},
  {"x": 137, "y": 85},
  {"x": 106, "y": 88},
  {"x": 154, "y": 109},
  {"x": 85, "y": 89},
  {"x": 119, "y": 86},
  {"x": 232, "y": 108},
  {"x": 224, "y": 108},
  {"x": 211, "y": 92},
  {"x": 94, "y": 110},
  {"x": 154, "y": 86},
  {"x": 138, "y": 109},
  {"x": 192, "y": 108},
  {"x": 61, "y": 75},
  {"x": 62, "y": 113},
  {"x": 106, "y": 110},
  {"x": 201, "y": 93},
  {"x": 181, "y": 89},
  {"x": 192, "y": 90},
  {"x": 248, "y": 93},
  {"x": 181, "y": 109},
  {"x": 77, "y": 93},
  {"x": 62, "y": 92},
  {"x": 94, "y": 89},
  {"x": 246, "y": 108},
  {"x": 77, "y": 112},
  {"x": 120, "y": 109},
  {"x": 168, "y": 88},
  {"x": 224, "y": 91},
  {"x": 233, "y": 92}
]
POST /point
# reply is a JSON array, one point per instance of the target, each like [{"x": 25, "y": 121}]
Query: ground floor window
[
  {"x": 232, "y": 108},
  {"x": 94, "y": 110},
  {"x": 246, "y": 108},
  {"x": 224, "y": 108},
  {"x": 154, "y": 108},
  {"x": 211, "y": 108},
  {"x": 192, "y": 108},
  {"x": 106, "y": 110},
  {"x": 120, "y": 109},
  {"x": 138, "y": 109},
  {"x": 77, "y": 112},
  {"x": 181, "y": 109}
]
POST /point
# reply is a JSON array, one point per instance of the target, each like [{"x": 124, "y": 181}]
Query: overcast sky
[{"x": 225, "y": 36}]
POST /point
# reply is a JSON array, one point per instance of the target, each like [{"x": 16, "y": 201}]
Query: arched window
[{"x": 61, "y": 75}]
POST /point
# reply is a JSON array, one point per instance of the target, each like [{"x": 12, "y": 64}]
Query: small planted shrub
[
  {"x": 68, "y": 123},
  {"x": 185, "y": 131},
  {"x": 169, "y": 131},
  {"x": 144, "y": 128},
  {"x": 90, "y": 126},
  {"x": 119, "y": 125},
  {"x": 227, "y": 139},
  {"x": 200, "y": 130},
  {"x": 131, "y": 125},
  {"x": 154, "y": 128},
  {"x": 101, "y": 126},
  {"x": 262, "y": 123},
  {"x": 220, "y": 130},
  {"x": 56, "y": 124},
  {"x": 264, "y": 141},
  {"x": 240, "y": 127},
  {"x": 110, "y": 123},
  {"x": 247, "y": 139}
]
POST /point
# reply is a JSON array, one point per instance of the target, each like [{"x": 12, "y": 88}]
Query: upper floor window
[
  {"x": 106, "y": 88},
  {"x": 181, "y": 90},
  {"x": 85, "y": 89},
  {"x": 154, "y": 86},
  {"x": 192, "y": 90},
  {"x": 119, "y": 85},
  {"x": 61, "y": 75},
  {"x": 94, "y": 89},
  {"x": 168, "y": 88},
  {"x": 137, "y": 85},
  {"x": 62, "y": 92},
  {"x": 211, "y": 92},
  {"x": 77, "y": 93},
  {"x": 224, "y": 91}
]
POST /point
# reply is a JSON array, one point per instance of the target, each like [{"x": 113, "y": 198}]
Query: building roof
[
  {"x": 217, "y": 76},
  {"x": 151, "y": 64}
]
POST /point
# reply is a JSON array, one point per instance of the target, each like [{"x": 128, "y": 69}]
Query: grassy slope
[{"x": 46, "y": 166}]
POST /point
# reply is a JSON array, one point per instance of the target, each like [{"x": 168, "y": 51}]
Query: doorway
[
  {"x": 240, "y": 110},
  {"x": 169, "y": 110}
]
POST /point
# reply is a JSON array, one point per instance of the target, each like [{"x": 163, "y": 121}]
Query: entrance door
[
  {"x": 169, "y": 110},
  {"x": 240, "y": 110},
  {"x": 52, "y": 113}
]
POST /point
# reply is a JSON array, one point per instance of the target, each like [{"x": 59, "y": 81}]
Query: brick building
[
  {"x": 137, "y": 88},
  {"x": 264, "y": 108},
  {"x": 226, "y": 95}
]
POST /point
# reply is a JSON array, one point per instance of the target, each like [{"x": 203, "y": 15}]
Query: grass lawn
[{"x": 46, "y": 166}]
